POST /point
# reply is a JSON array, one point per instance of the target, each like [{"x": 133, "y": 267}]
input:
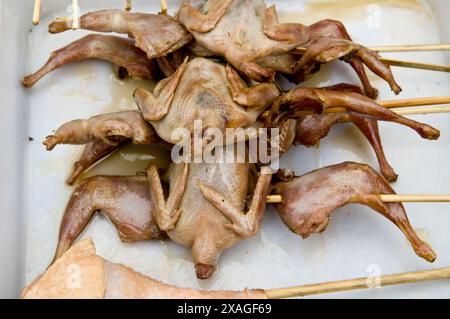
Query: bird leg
[
  {"x": 287, "y": 32},
  {"x": 309, "y": 200},
  {"x": 166, "y": 212},
  {"x": 369, "y": 128},
  {"x": 324, "y": 50},
  {"x": 154, "y": 108},
  {"x": 125, "y": 200},
  {"x": 336, "y": 29},
  {"x": 112, "y": 129},
  {"x": 119, "y": 51},
  {"x": 195, "y": 21},
  {"x": 243, "y": 224},
  {"x": 358, "y": 103},
  {"x": 259, "y": 96}
]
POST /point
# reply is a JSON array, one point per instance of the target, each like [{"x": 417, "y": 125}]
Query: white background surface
[{"x": 34, "y": 194}]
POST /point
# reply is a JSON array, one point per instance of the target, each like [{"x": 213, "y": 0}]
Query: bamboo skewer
[
  {"x": 439, "y": 100},
  {"x": 398, "y": 48},
  {"x": 388, "y": 198},
  {"x": 37, "y": 12},
  {"x": 422, "y": 110},
  {"x": 358, "y": 283},
  {"x": 399, "y": 111},
  {"x": 416, "y": 65},
  {"x": 75, "y": 15},
  {"x": 398, "y": 106},
  {"x": 403, "y": 111},
  {"x": 163, "y": 6},
  {"x": 399, "y": 63},
  {"x": 392, "y": 104},
  {"x": 416, "y": 102},
  {"x": 127, "y": 5},
  {"x": 412, "y": 48},
  {"x": 394, "y": 198},
  {"x": 274, "y": 199}
]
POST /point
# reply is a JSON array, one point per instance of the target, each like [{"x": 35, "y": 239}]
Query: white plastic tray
[{"x": 358, "y": 242}]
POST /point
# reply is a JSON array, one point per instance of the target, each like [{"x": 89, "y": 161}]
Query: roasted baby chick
[
  {"x": 204, "y": 209},
  {"x": 129, "y": 59},
  {"x": 125, "y": 200},
  {"x": 309, "y": 200},
  {"x": 157, "y": 35},
  {"x": 102, "y": 135},
  {"x": 319, "y": 99},
  {"x": 244, "y": 32},
  {"x": 203, "y": 90}
]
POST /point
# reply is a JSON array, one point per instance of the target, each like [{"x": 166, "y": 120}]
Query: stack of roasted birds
[{"x": 218, "y": 61}]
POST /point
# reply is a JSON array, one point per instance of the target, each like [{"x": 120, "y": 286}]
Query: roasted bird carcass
[
  {"x": 310, "y": 129},
  {"x": 324, "y": 50},
  {"x": 237, "y": 30},
  {"x": 248, "y": 35},
  {"x": 128, "y": 59},
  {"x": 204, "y": 209},
  {"x": 319, "y": 99},
  {"x": 80, "y": 273},
  {"x": 102, "y": 134},
  {"x": 329, "y": 40},
  {"x": 203, "y": 90},
  {"x": 362, "y": 111},
  {"x": 336, "y": 30},
  {"x": 309, "y": 200},
  {"x": 125, "y": 200},
  {"x": 157, "y": 35}
]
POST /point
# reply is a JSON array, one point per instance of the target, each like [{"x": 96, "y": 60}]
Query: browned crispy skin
[
  {"x": 244, "y": 32},
  {"x": 325, "y": 49},
  {"x": 311, "y": 129},
  {"x": 205, "y": 207},
  {"x": 112, "y": 129},
  {"x": 287, "y": 135},
  {"x": 249, "y": 36},
  {"x": 119, "y": 51},
  {"x": 318, "y": 99},
  {"x": 125, "y": 200},
  {"x": 102, "y": 279},
  {"x": 369, "y": 128},
  {"x": 157, "y": 35},
  {"x": 335, "y": 29},
  {"x": 170, "y": 63},
  {"x": 205, "y": 90},
  {"x": 102, "y": 134},
  {"x": 309, "y": 200}
]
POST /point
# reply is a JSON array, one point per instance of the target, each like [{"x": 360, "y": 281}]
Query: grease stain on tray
[
  {"x": 121, "y": 93},
  {"x": 350, "y": 10},
  {"x": 131, "y": 159}
]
